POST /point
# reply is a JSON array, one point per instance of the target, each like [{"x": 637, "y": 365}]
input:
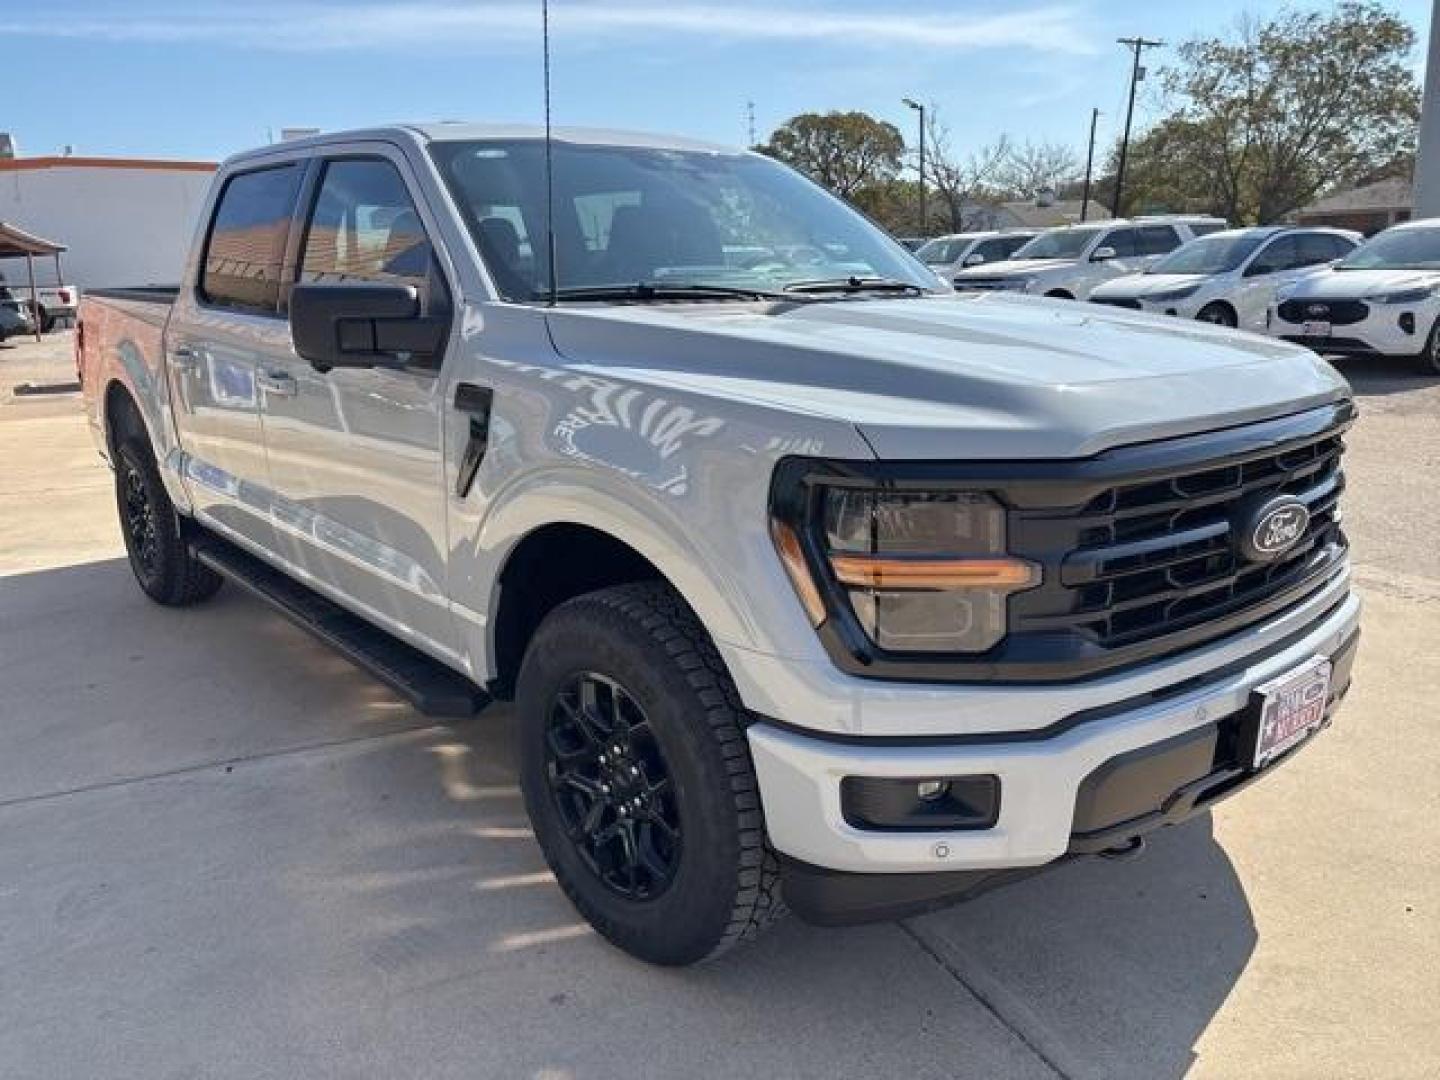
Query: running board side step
[{"x": 427, "y": 684}]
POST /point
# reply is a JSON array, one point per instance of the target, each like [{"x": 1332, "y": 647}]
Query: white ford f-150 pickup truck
[{"x": 815, "y": 584}]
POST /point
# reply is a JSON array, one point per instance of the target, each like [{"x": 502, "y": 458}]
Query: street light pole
[
  {"x": 1135, "y": 44},
  {"x": 924, "y": 230},
  {"x": 1089, "y": 161}
]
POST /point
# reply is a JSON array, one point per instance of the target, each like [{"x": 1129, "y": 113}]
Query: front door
[
  {"x": 218, "y": 333},
  {"x": 355, "y": 454}
]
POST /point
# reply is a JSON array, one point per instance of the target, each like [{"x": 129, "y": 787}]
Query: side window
[
  {"x": 247, "y": 239},
  {"x": 995, "y": 250},
  {"x": 1280, "y": 254},
  {"x": 363, "y": 227},
  {"x": 1315, "y": 248},
  {"x": 1008, "y": 245},
  {"x": 1156, "y": 239},
  {"x": 1205, "y": 228},
  {"x": 1122, "y": 241}
]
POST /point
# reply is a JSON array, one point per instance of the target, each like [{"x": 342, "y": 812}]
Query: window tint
[
  {"x": 364, "y": 228},
  {"x": 1155, "y": 240},
  {"x": 247, "y": 239},
  {"x": 1316, "y": 248},
  {"x": 998, "y": 249},
  {"x": 1280, "y": 254},
  {"x": 1205, "y": 228},
  {"x": 1123, "y": 241}
]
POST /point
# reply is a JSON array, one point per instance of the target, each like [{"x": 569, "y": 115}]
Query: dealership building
[{"x": 122, "y": 221}]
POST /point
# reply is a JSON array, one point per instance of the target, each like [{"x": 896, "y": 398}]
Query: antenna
[{"x": 549, "y": 163}]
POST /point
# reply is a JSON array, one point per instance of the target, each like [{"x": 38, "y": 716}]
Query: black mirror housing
[{"x": 361, "y": 325}]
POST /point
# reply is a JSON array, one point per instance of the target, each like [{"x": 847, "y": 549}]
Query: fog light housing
[
  {"x": 1407, "y": 321},
  {"x": 920, "y": 804}
]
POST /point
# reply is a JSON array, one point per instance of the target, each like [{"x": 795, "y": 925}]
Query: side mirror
[
  {"x": 362, "y": 325},
  {"x": 1102, "y": 254},
  {"x": 974, "y": 259}
]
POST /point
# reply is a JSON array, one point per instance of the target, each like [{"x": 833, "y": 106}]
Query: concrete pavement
[{"x": 226, "y": 852}]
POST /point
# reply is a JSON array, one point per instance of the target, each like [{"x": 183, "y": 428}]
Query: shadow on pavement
[
  {"x": 305, "y": 878},
  {"x": 1377, "y": 376}
]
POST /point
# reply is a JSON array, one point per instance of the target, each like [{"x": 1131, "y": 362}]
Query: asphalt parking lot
[{"x": 226, "y": 852}]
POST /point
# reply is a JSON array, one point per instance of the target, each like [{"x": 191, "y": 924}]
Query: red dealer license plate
[{"x": 1291, "y": 707}]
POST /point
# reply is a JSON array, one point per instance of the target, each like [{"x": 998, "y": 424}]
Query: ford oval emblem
[
  {"x": 1318, "y": 309},
  {"x": 1267, "y": 533}
]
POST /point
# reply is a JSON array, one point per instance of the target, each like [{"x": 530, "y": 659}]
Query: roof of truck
[{"x": 454, "y": 131}]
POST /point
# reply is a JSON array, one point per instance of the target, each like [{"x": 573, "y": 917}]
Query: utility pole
[
  {"x": 1427, "y": 160},
  {"x": 750, "y": 123},
  {"x": 1089, "y": 161},
  {"x": 924, "y": 230},
  {"x": 1135, "y": 45}
]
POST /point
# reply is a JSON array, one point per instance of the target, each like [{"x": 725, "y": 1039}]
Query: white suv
[
  {"x": 1228, "y": 278},
  {"x": 1070, "y": 261},
  {"x": 948, "y": 255},
  {"x": 1383, "y": 299}
]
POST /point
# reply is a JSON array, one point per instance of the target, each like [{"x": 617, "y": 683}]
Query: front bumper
[
  {"x": 1378, "y": 334},
  {"x": 1051, "y": 803}
]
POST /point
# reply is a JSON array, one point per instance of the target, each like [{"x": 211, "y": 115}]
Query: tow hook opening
[{"x": 1131, "y": 849}]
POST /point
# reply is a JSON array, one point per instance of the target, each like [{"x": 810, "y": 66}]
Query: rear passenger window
[
  {"x": 364, "y": 228},
  {"x": 1281, "y": 254},
  {"x": 1155, "y": 240},
  {"x": 247, "y": 239},
  {"x": 1122, "y": 241},
  {"x": 1316, "y": 248}
]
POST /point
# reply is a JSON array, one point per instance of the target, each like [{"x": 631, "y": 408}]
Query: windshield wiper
[
  {"x": 855, "y": 285},
  {"x": 647, "y": 290}
]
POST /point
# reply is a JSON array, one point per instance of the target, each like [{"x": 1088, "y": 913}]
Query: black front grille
[
  {"x": 1133, "y": 305},
  {"x": 1137, "y": 546},
  {"x": 1145, "y": 560},
  {"x": 1335, "y": 312}
]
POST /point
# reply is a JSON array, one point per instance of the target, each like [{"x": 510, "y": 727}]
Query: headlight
[
  {"x": 914, "y": 571},
  {"x": 1403, "y": 296},
  {"x": 1173, "y": 294}
]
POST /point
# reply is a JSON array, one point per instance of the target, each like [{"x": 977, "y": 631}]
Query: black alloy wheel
[{"x": 612, "y": 787}]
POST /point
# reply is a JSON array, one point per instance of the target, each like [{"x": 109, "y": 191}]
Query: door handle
[
  {"x": 278, "y": 383},
  {"x": 185, "y": 360}
]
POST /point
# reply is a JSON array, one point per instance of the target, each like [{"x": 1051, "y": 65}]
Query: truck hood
[
  {"x": 1133, "y": 286},
  {"x": 987, "y": 376},
  {"x": 1015, "y": 268},
  {"x": 1333, "y": 284}
]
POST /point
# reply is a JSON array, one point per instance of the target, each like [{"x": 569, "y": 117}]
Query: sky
[{"x": 205, "y": 78}]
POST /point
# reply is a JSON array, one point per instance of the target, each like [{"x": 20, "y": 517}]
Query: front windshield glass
[
  {"x": 1397, "y": 249},
  {"x": 1210, "y": 255},
  {"x": 939, "y": 252},
  {"x": 1057, "y": 244},
  {"x": 666, "y": 218}
]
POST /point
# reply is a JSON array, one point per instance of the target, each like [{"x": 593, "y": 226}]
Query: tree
[
  {"x": 961, "y": 182},
  {"x": 1035, "y": 167},
  {"x": 1276, "y": 113},
  {"x": 846, "y": 152}
]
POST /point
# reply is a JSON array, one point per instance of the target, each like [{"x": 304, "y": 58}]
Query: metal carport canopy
[{"x": 16, "y": 243}]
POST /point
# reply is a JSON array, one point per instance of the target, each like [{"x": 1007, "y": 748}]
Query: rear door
[
  {"x": 219, "y": 331},
  {"x": 1282, "y": 260},
  {"x": 355, "y": 454}
]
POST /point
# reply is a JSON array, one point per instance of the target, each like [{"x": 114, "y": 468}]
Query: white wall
[{"x": 123, "y": 226}]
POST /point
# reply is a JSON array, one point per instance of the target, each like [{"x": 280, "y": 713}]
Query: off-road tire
[
  {"x": 159, "y": 555},
  {"x": 725, "y": 889}
]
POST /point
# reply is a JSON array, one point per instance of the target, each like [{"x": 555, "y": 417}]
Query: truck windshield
[
  {"x": 1218, "y": 254},
  {"x": 1397, "y": 249},
  {"x": 1057, "y": 244},
  {"x": 628, "y": 216}
]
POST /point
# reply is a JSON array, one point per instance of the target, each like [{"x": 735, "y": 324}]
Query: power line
[{"x": 1136, "y": 45}]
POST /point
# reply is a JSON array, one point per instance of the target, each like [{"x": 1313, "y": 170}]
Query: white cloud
[{"x": 399, "y": 23}]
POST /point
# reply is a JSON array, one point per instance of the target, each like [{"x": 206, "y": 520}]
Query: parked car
[
  {"x": 912, "y": 243},
  {"x": 14, "y": 316},
  {"x": 1383, "y": 299},
  {"x": 812, "y": 581},
  {"x": 51, "y": 304},
  {"x": 1067, "y": 262},
  {"x": 1227, "y": 278},
  {"x": 948, "y": 255}
]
